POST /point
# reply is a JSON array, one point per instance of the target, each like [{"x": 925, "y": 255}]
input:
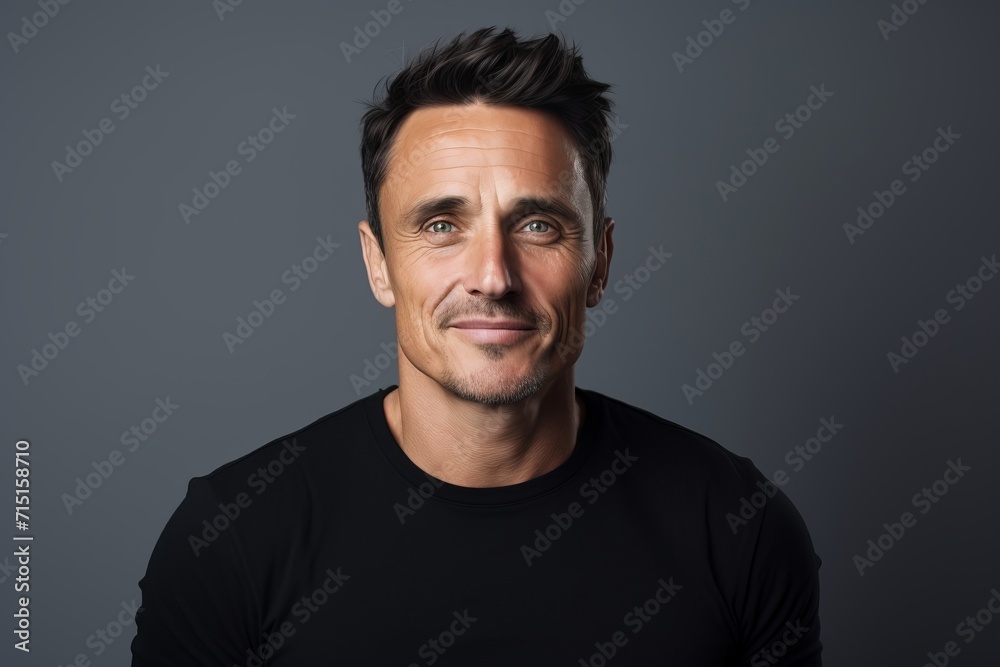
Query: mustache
[{"x": 493, "y": 309}]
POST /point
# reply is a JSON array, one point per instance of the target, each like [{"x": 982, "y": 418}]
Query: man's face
[{"x": 489, "y": 254}]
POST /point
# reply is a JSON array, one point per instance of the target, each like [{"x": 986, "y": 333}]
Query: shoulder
[
  {"x": 676, "y": 466},
  {"x": 671, "y": 448},
  {"x": 292, "y": 456},
  {"x": 242, "y": 507}
]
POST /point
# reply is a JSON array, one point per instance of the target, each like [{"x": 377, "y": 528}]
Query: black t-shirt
[{"x": 647, "y": 546}]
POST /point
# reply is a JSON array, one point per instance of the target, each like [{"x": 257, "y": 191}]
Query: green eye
[
  {"x": 539, "y": 222},
  {"x": 436, "y": 226}
]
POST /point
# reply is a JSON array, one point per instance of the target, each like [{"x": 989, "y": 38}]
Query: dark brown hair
[{"x": 484, "y": 67}]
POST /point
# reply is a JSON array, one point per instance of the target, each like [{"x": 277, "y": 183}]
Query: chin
[{"x": 489, "y": 388}]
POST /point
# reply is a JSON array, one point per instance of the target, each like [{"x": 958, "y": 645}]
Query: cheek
[
  {"x": 565, "y": 300},
  {"x": 416, "y": 319}
]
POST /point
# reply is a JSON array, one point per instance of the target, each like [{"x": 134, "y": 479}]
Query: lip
[
  {"x": 494, "y": 331},
  {"x": 492, "y": 324}
]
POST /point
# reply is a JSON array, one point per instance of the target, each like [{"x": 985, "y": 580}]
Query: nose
[{"x": 490, "y": 269}]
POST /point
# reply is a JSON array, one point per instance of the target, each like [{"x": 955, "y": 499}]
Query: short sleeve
[
  {"x": 779, "y": 622},
  {"x": 198, "y": 605}
]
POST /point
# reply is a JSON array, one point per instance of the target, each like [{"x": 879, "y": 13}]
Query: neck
[{"x": 475, "y": 445}]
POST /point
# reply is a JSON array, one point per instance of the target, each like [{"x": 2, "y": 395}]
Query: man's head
[{"x": 485, "y": 168}]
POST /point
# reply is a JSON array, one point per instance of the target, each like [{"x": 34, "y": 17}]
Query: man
[{"x": 485, "y": 511}]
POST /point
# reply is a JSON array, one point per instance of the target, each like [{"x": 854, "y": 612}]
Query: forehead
[{"x": 461, "y": 144}]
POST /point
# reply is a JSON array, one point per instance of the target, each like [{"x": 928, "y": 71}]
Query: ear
[
  {"x": 602, "y": 267},
  {"x": 378, "y": 273}
]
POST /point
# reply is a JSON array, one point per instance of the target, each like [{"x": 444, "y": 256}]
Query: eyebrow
[{"x": 429, "y": 207}]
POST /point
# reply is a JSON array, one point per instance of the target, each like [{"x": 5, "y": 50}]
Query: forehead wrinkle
[
  {"x": 439, "y": 144},
  {"x": 537, "y": 154},
  {"x": 541, "y": 136},
  {"x": 513, "y": 166},
  {"x": 432, "y": 145},
  {"x": 499, "y": 147},
  {"x": 556, "y": 161}
]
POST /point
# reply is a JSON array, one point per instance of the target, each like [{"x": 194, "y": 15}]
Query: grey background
[{"x": 681, "y": 131}]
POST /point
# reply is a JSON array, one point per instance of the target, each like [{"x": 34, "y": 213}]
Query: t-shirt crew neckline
[{"x": 587, "y": 435}]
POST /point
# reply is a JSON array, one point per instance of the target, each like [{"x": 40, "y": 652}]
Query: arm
[
  {"x": 779, "y": 620},
  {"x": 198, "y": 604}
]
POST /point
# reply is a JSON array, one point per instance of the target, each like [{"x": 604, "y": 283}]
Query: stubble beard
[{"x": 485, "y": 388}]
